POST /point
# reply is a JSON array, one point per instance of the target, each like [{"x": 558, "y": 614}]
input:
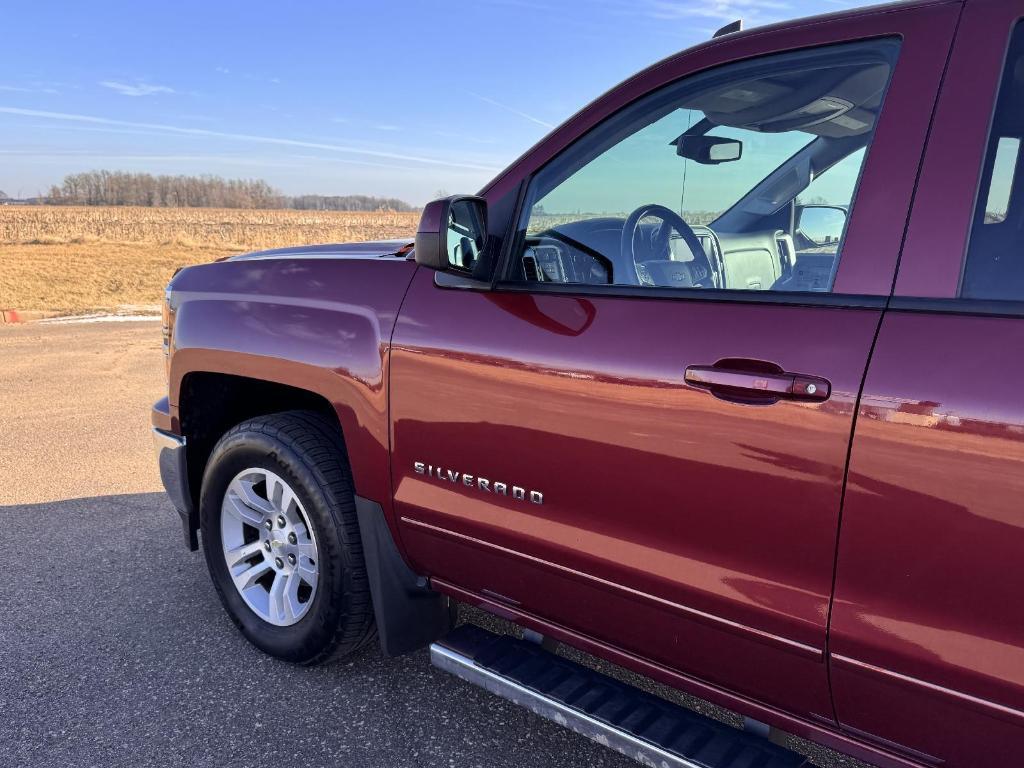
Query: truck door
[
  {"x": 927, "y": 634},
  {"x": 636, "y": 434}
]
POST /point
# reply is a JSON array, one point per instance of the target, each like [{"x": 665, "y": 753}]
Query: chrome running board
[{"x": 648, "y": 729}]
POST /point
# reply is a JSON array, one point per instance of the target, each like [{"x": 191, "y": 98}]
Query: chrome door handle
[{"x": 789, "y": 386}]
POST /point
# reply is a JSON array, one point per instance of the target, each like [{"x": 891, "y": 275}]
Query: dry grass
[{"x": 82, "y": 259}]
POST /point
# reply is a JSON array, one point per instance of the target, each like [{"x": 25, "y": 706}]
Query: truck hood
[{"x": 372, "y": 250}]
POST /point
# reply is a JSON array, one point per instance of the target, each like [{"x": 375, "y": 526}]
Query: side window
[
  {"x": 741, "y": 178},
  {"x": 994, "y": 267}
]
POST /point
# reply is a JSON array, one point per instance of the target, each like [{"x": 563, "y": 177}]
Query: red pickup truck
[{"x": 721, "y": 382}]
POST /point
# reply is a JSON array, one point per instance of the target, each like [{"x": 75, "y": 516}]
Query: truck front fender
[{"x": 318, "y": 325}]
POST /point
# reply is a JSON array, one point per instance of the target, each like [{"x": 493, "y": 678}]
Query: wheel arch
[
  {"x": 212, "y": 390},
  {"x": 211, "y": 402}
]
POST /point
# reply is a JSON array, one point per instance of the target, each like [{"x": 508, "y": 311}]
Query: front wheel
[{"x": 281, "y": 538}]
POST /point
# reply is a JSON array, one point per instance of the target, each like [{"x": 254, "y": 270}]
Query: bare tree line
[
  {"x": 348, "y": 203},
  {"x": 144, "y": 189}
]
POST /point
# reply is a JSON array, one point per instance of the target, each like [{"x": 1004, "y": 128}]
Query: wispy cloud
[
  {"x": 513, "y": 110},
  {"x": 104, "y": 129},
  {"x": 241, "y": 137},
  {"x": 22, "y": 89},
  {"x": 465, "y": 137},
  {"x": 135, "y": 89},
  {"x": 200, "y": 118},
  {"x": 319, "y": 159},
  {"x": 223, "y": 70},
  {"x": 753, "y": 11},
  {"x": 531, "y": 4},
  {"x": 301, "y": 161},
  {"x": 243, "y": 160},
  {"x": 388, "y": 128}
]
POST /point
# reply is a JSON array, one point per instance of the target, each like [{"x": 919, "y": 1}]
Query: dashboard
[
  {"x": 547, "y": 260},
  {"x": 588, "y": 252}
]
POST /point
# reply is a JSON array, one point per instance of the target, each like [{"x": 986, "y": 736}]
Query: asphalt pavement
[{"x": 114, "y": 650}]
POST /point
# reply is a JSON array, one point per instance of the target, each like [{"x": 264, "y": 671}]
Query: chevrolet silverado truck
[{"x": 721, "y": 383}]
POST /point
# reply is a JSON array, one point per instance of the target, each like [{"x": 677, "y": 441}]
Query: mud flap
[{"x": 408, "y": 613}]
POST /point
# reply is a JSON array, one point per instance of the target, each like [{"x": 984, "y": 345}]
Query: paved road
[{"x": 113, "y": 648}]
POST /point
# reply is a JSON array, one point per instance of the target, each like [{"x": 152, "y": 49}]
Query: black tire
[{"x": 306, "y": 451}]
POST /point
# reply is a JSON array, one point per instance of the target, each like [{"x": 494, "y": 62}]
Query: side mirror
[
  {"x": 709, "y": 150},
  {"x": 821, "y": 225},
  {"x": 452, "y": 233}
]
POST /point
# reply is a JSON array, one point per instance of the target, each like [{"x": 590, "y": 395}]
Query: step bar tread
[{"x": 647, "y": 728}]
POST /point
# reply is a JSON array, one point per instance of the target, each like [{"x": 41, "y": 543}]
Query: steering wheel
[{"x": 664, "y": 272}]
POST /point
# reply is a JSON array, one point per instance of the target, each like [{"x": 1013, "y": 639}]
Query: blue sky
[{"x": 384, "y": 98}]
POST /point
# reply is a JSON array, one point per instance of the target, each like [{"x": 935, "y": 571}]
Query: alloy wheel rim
[{"x": 269, "y": 547}]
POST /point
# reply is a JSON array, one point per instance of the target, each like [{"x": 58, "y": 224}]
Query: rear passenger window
[
  {"x": 994, "y": 268},
  {"x": 1004, "y": 168}
]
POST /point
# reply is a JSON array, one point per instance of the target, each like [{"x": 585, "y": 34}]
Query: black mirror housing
[
  {"x": 709, "y": 150},
  {"x": 452, "y": 233}
]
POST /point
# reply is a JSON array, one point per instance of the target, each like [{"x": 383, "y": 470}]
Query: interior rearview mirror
[
  {"x": 452, "y": 233},
  {"x": 821, "y": 225},
  {"x": 709, "y": 150}
]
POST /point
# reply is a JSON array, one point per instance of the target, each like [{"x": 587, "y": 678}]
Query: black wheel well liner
[{"x": 210, "y": 403}]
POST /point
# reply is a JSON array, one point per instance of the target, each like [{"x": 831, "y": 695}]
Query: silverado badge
[{"x": 517, "y": 492}]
